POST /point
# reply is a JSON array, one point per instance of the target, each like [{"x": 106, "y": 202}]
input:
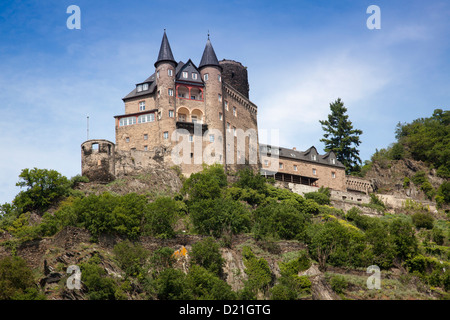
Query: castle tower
[
  {"x": 165, "y": 69},
  {"x": 97, "y": 160},
  {"x": 211, "y": 73}
]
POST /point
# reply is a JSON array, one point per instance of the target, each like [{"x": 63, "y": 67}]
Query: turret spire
[
  {"x": 209, "y": 57},
  {"x": 165, "y": 53}
]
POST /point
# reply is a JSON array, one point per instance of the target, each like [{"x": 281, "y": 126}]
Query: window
[
  {"x": 127, "y": 121},
  {"x": 142, "y": 106},
  {"x": 234, "y": 131},
  {"x": 127, "y": 139},
  {"x": 145, "y": 86},
  {"x": 220, "y": 116},
  {"x": 219, "y": 78},
  {"x": 166, "y": 135},
  {"x": 182, "y": 117},
  {"x": 313, "y": 156},
  {"x": 226, "y": 105},
  {"x": 145, "y": 136},
  {"x": 194, "y": 118},
  {"x": 333, "y": 161},
  {"x": 150, "y": 117},
  {"x": 194, "y": 75},
  {"x": 281, "y": 165},
  {"x": 139, "y": 88},
  {"x": 169, "y": 72},
  {"x": 211, "y": 138},
  {"x": 333, "y": 175},
  {"x": 171, "y": 92},
  {"x": 171, "y": 113},
  {"x": 191, "y": 138},
  {"x": 234, "y": 111},
  {"x": 220, "y": 97},
  {"x": 295, "y": 167},
  {"x": 206, "y": 77},
  {"x": 314, "y": 171},
  {"x": 266, "y": 163},
  {"x": 157, "y": 74},
  {"x": 145, "y": 148},
  {"x": 185, "y": 74}
]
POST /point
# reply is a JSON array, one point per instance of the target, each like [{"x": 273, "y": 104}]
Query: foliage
[
  {"x": 105, "y": 213},
  {"x": 219, "y": 216},
  {"x": 248, "y": 179},
  {"x": 338, "y": 284},
  {"x": 99, "y": 285},
  {"x": 403, "y": 238},
  {"x": 423, "y": 220},
  {"x": 340, "y": 136},
  {"x": 16, "y": 280},
  {"x": 206, "y": 184},
  {"x": 42, "y": 187},
  {"x": 427, "y": 139},
  {"x": 206, "y": 254},
  {"x": 131, "y": 257},
  {"x": 160, "y": 217},
  {"x": 279, "y": 220},
  {"x": 257, "y": 270},
  {"x": 406, "y": 183},
  {"x": 206, "y": 285},
  {"x": 322, "y": 196},
  {"x": 161, "y": 259},
  {"x": 171, "y": 284}
]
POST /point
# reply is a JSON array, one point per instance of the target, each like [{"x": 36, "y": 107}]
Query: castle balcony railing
[{"x": 192, "y": 127}]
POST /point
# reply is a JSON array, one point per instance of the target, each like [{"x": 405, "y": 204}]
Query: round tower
[
  {"x": 97, "y": 160},
  {"x": 211, "y": 73},
  {"x": 235, "y": 74},
  {"x": 165, "y": 68}
]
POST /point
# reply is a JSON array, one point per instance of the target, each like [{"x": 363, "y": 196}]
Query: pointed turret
[
  {"x": 165, "y": 53},
  {"x": 209, "y": 57}
]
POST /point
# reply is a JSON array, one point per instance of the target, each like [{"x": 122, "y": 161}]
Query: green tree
[
  {"x": 42, "y": 188},
  {"x": 16, "y": 280},
  {"x": 206, "y": 254},
  {"x": 206, "y": 285},
  {"x": 131, "y": 257},
  {"x": 161, "y": 216},
  {"x": 206, "y": 184},
  {"x": 341, "y": 138}
]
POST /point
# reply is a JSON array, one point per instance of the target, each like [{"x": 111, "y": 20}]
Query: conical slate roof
[
  {"x": 165, "y": 53},
  {"x": 209, "y": 57}
]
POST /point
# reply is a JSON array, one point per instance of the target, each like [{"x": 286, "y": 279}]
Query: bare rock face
[{"x": 320, "y": 288}]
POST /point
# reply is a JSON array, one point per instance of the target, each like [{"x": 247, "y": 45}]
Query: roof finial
[{"x": 208, "y": 34}]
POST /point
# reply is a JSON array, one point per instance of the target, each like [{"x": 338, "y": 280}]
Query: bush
[
  {"x": 131, "y": 257},
  {"x": 406, "y": 183},
  {"x": 206, "y": 184},
  {"x": 206, "y": 254},
  {"x": 160, "y": 217},
  {"x": 318, "y": 197},
  {"x": 42, "y": 188},
  {"x": 218, "y": 217},
  {"x": 99, "y": 285},
  {"x": 257, "y": 270},
  {"x": 338, "y": 284},
  {"x": 403, "y": 237},
  {"x": 423, "y": 220},
  {"x": 16, "y": 280},
  {"x": 206, "y": 285},
  {"x": 171, "y": 284},
  {"x": 437, "y": 234},
  {"x": 419, "y": 178}
]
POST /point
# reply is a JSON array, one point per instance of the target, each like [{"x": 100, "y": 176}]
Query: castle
[{"x": 188, "y": 115}]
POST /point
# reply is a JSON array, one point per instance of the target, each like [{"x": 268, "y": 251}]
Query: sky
[{"x": 300, "y": 56}]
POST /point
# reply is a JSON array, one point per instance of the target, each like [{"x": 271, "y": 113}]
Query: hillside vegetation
[{"x": 246, "y": 239}]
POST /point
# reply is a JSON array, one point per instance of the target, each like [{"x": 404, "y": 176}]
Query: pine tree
[{"x": 341, "y": 138}]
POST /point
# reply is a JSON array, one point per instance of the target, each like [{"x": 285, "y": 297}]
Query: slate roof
[
  {"x": 209, "y": 57},
  {"x": 306, "y": 155},
  {"x": 165, "y": 53},
  {"x": 190, "y": 68}
]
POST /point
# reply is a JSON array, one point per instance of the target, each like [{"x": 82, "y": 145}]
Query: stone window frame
[
  {"x": 206, "y": 77},
  {"x": 170, "y": 72},
  {"x": 295, "y": 167},
  {"x": 235, "y": 111},
  {"x": 170, "y": 92},
  {"x": 281, "y": 165},
  {"x": 166, "y": 135},
  {"x": 142, "y": 105},
  {"x": 145, "y": 136},
  {"x": 171, "y": 113},
  {"x": 333, "y": 174},
  {"x": 220, "y": 116},
  {"x": 314, "y": 171}
]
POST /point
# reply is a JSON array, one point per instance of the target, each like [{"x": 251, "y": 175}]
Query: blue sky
[{"x": 301, "y": 55}]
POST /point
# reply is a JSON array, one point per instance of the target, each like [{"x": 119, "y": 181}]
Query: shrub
[
  {"x": 99, "y": 285},
  {"x": 160, "y": 217},
  {"x": 206, "y": 285},
  {"x": 406, "y": 183},
  {"x": 206, "y": 184},
  {"x": 338, "y": 284},
  {"x": 220, "y": 216},
  {"x": 257, "y": 270},
  {"x": 206, "y": 254},
  {"x": 438, "y": 235},
  {"x": 171, "y": 284},
  {"x": 318, "y": 197},
  {"x": 16, "y": 280},
  {"x": 419, "y": 178},
  {"x": 404, "y": 241},
  {"x": 423, "y": 220},
  {"x": 131, "y": 257}
]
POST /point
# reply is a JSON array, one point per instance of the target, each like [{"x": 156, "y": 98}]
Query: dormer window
[
  {"x": 185, "y": 74},
  {"x": 194, "y": 76},
  {"x": 139, "y": 88},
  {"x": 145, "y": 86},
  {"x": 333, "y": 161},
  {"x": 314, "y": 157}
]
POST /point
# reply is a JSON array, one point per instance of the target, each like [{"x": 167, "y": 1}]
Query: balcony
[{"x": 192, "y": 126}]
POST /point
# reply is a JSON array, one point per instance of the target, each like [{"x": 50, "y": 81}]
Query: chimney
[{"x": 294, "y": 148}]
